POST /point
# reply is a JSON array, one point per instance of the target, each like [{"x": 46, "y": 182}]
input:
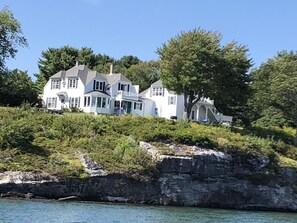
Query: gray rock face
[
  {"x": 91, "y": 167},
  {"x": 207, "y": 178}
]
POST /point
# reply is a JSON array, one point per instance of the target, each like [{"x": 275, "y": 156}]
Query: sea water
[{"x": 33, "y": 211}]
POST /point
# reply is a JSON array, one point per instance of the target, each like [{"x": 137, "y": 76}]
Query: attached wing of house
[{"x": 169, "y": 105}]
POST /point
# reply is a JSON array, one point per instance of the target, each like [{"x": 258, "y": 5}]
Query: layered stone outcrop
[{"x": 205, "y": 178}]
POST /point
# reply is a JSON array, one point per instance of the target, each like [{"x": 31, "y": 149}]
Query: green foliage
[
  {"x": 274, "y": 86},
  {"x": 271, "y": 116},
  {"x": 10, "y": 36},
  {"x": 194, "y": 64},
  {"x": 17, "y": 134},
  {"x": 33, "y": 140},
  {"x": 143, "y": 74},
  {"x": 17, "y": 89}
]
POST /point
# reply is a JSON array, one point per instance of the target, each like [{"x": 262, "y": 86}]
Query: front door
[{"x": 129, "y": 107}]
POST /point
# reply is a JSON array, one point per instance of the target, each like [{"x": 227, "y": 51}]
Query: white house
[
  {"x": 169, "y": 105},
  {"x": 112, "y": 93},
  {"x": 92, "y": 92}
]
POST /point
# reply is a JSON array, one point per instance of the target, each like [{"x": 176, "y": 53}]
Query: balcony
[{"x": 125, "y": 95}]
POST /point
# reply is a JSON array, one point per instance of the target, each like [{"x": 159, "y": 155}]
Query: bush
[{"x": 18, "y": 134}]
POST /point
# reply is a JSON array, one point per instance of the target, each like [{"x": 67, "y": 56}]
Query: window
[
  {"x": 99, "y": 85},
  {"x": 137, "y": 106},
  {"x": 72, "y": 83},
  {"x": 171, "y": 100},
  {"x": 123, "y": 87},
  {"x": 51, "y": 102},
  {"x": 98, "y": 102},
  {"x": 103, "y": 102},
  {"x": 93, "y": 104},
  {"x": 74, "y": 102},
  {"x": 87, "y": 101},
  {"x": 56, "y": 84},
  {"x": 193, "y": 115},
  {"x": 157, "y": 91}
]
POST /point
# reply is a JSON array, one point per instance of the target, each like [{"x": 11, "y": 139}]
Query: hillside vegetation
[{"x": 46, "y": 143}]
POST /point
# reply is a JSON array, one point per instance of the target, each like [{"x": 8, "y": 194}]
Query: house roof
[
  {"x": 157, "y": 83},
  {"x": 98, "y": 93},
  {"x": 81, "y": 71},
  {"x": 143, "y": 92},
  {"x": 112, "y": 78},
  {"x": 60, "y": 74}
]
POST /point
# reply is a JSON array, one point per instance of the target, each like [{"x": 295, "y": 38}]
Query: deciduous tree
[
  {"x": 144, "y": 74},
  {"x": 11, "y": 36},
  {"x": 196, "y": 65}
]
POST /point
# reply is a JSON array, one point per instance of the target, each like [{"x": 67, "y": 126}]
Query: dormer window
[
  {"x": 72, "y": 82},
  {"x": 99, "y": 85},
  {"x": 55, "y": 84},
  {"x": 123, "y": 87},
  {"x": 157, "y": 91}
]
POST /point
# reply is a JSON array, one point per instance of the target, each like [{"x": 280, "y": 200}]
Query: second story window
[
  {"x": 157, "y": 91},
  {"x": 99, "y": 85},
  {"x": 55, "y": 84},
  {"x": 72, "y": 83},
  {"x": 171, "y": 100},
  {"x": 123, "y": 87}
]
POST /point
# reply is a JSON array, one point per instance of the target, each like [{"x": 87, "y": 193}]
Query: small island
[{"x": 145, "y": 160}]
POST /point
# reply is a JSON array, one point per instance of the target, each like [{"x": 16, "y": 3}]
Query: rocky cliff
[{"x": 206, "y": 178}]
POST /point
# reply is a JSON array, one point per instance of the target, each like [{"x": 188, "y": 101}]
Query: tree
[
  {"x": 10, "y": 36},
  {"x": 17, "y": 88},
  {"x": 127, "y": 61},
  {"x": 54, "y": 60},
  {"x": 195, "y": 65},
  {"x": 275, "y": 85},
  {"x": 144, "y": 74}
]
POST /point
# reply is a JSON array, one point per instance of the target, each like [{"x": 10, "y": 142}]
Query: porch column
[{"x": 197, "y": 116}]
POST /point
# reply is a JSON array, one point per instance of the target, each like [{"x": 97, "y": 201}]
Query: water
[{"x": 32, "y": 211}]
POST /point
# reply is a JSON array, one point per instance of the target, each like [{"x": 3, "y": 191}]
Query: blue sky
[{"x": 139, "y": 27}]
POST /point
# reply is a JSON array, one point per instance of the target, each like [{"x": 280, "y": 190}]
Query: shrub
[{"x": 18, "y": 134}]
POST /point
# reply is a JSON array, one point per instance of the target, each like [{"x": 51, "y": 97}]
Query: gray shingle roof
[
  {"x": 157, "y": 83},
  {"x": 112, "y": 78},
  {"x": 83, "y": 72}
]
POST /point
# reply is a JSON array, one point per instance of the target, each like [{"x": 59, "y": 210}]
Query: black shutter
[
  {"x": 94, "y": 85},
  {"x": 140, "y": 106},
  {"x": 119, "y": 86},
  {"x": 103, "y": 86},
  {"x": 128, "y": 87},
  {"x": 134, "y": 105}
]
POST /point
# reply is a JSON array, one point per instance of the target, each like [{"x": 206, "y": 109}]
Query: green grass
[{"x": 42, "y": 142}]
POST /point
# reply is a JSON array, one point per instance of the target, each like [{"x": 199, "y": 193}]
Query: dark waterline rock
[{"x": 207, "y": 179}]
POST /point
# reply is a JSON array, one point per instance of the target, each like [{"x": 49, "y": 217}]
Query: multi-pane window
[
  {"x": 72, "y": 83},
  {"x": 157, "y": 91},
  {"x": 137, "y": 106},
  {"x": 123, "y": 87},
  {"x": 74, "y": 102},
  {"x": 99, "y": 85},
  {"x": 56, "y": 84},
  {"x": 98, "y": 102},
  {"x": 171, "y": 100},
  {"x": 93, "y": 102},
  {"x": 87, "y": 101},
  {"x": 51, "y": 102},
  {"x": 103, "y": 102}
]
